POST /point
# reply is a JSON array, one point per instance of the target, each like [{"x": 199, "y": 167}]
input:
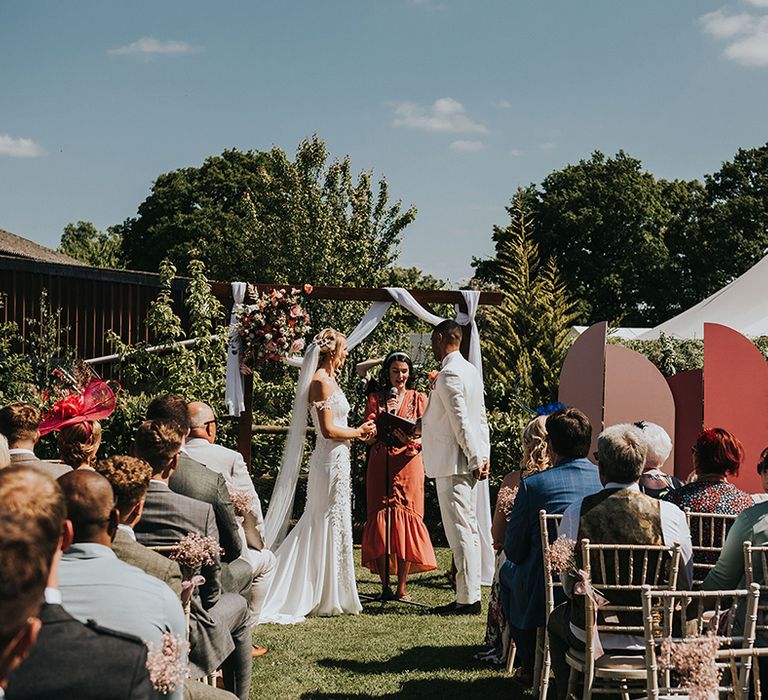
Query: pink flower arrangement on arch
[{"x": 273, "y": 326}]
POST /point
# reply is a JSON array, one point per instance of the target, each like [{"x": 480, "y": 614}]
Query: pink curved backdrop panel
[
  {"x": 635, "y": 390},
  {"x": 736, "y": 395},
  {"x": 688, "y": 391},
  {"x": 582, "y": 379}
]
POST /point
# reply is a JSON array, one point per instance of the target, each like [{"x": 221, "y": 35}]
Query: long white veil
[{"x": 284, "y": 491}]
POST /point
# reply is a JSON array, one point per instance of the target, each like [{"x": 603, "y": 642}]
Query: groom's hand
[{"x": 482, "y": 472}]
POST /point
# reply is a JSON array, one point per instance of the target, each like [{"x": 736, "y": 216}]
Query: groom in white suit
[{"x": 456, "y": 450}]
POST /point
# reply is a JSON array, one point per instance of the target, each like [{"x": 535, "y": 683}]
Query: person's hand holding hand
[
  {"x": 367, "y": 429},
  {"x": 482, "y": 472}
]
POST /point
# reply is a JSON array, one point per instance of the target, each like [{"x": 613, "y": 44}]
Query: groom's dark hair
[
  {"x": 570, "y": 433},
  {"x": 449, "y": 330}
]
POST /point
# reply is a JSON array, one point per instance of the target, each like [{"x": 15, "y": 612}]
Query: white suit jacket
[
  {"x": 231, "y": 465},
  {"x": 455, "y": 437}
]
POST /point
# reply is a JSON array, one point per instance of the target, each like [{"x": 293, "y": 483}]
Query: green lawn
[{"x": 395, "y": 651}]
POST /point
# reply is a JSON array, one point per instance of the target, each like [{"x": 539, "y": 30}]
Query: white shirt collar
[
  {"x": 128, "y": 530},
  {"x": 449, "y": 356},
  {"x": 197, "y": 442},
  {"x": 615, "y": 485},
  {"x": 52, "y": 596},
  {"x": 21, "y": 451}
]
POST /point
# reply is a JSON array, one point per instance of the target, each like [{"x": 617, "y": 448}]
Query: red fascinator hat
[{"x": 95, "y": 402}]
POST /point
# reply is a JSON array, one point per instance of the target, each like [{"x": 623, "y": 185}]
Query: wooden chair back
[
  {"x": 685, "y": 616},
  {"x": 708, "y": 533},
  {"x": 755, "y": 568},
  {"x": 548, "y": 525},
  {"x": 621, "y": 571}
]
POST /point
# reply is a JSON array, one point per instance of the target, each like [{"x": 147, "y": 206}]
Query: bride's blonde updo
[{"x": 329, "y": 341}]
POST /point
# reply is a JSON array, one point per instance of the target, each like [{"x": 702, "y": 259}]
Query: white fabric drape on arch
[
  {"x": 234, "y": 391},
  {"x": 283, "y": 493}
]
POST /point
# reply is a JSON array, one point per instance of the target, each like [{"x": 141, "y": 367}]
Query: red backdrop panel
[
  {"x": 635, "y": 390},
  {"x": 736, "y": 395},
  {"x": 582, "y": 379},
  {"x": 688, "y": 391}
]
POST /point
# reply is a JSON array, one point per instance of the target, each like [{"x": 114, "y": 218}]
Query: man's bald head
[
  {"x": 202, "y": 421},
  {"x": 90, "y": 505}
]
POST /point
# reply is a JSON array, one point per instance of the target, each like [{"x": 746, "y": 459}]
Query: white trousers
[
  {"x": 456, "y": 495},
  {"x": 263, "y": 566}
]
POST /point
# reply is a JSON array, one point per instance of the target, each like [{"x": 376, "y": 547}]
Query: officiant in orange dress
[{"x": 410, "y": 547}]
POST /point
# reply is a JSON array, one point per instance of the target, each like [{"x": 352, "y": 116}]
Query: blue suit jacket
[{"x": 522, "y": 576}]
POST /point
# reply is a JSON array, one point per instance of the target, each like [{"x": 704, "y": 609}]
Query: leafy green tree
[
  {"x": 261, "y": 217},
  {"x": 83, "y": 241},
  {"x": 16, "y": 378},
  {"x": 735, "y": 221},
  {"x": 603, "y": 220},
  {"x": 528, "y": 335}
]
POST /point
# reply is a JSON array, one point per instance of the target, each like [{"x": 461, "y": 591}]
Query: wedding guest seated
[
  {"x": 167, "y": 518},
  {"x": 19, "y": 423},
  {"x": 23, "y": 575},
  {"x": 210, "y": 636},
  {"x": 192, "y": 479},
  {"x": 716, "y": 454},
  {"x": 70, "y": 661},
  {"x": 79, "y": 444},
  {"x": 751, "y": 525},
  {"x": 571, "y": 476},
  {"x": 5, "y": 456},
  {"x": 653, "y": 481},
  {"x": 201, "y": 446},
  {"x": 535, "y": 459},
  {"x": 129, "y": 478},
  {"x": 95, "y": 584},
  {"x": 619, "y": 514}
]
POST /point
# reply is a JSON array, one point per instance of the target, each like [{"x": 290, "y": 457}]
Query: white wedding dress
[{"x": 315, "y": 571}]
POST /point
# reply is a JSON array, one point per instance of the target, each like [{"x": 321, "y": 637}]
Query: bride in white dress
[{"x": 315, "y": 572}]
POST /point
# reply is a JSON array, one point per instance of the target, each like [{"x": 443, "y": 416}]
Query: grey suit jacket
[
  {"x": 192, "y": 479},
  {"x": 169, "y": 517},
  {"x": 52, "y": 469},
  {"x": 73, "y": 661},
  {"x": 152, "y": 563}
]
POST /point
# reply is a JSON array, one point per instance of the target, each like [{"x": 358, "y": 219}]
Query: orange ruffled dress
[{"x": 409, "y": 539}]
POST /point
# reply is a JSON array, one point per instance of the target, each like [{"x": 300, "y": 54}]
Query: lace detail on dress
[
  {"x": 340, "y": 514},
  {"x": 327, "y": 404}
]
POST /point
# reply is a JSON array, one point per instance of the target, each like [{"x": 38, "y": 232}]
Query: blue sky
[{"x": 456, "y": 102}]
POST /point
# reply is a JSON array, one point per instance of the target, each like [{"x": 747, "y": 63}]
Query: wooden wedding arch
[{"x": 425, "y": 297}]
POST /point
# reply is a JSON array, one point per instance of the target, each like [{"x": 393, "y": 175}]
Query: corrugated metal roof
[{"x": 11, "y": 244}]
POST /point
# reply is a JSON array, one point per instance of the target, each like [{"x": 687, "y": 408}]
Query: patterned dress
[{"x": 709, "y": 497}]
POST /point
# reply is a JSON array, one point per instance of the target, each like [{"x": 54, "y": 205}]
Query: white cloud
[
  {"x": 19, "y": 148},
  {"x": 505, "y": 104},
  {"x": 721, "y": 25},
  {"x": 751, "y": 50},
  {"x": 148, "y": 46},
  {"x": 548, "y": 146},
  {"x": 467, "y": 146},
  {"x": 515, "y": 152},
  {"x": 747, "y": 34},
  {"x": 445, "y": 115}
]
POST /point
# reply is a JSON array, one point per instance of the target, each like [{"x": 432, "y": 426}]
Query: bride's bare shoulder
[{"x": 321, "y": 388}]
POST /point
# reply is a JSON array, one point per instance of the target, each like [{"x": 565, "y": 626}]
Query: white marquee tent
[{"x": 741, "y": 305}]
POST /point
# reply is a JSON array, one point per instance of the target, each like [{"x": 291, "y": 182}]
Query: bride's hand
[{"x": 366, "y": 430}]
